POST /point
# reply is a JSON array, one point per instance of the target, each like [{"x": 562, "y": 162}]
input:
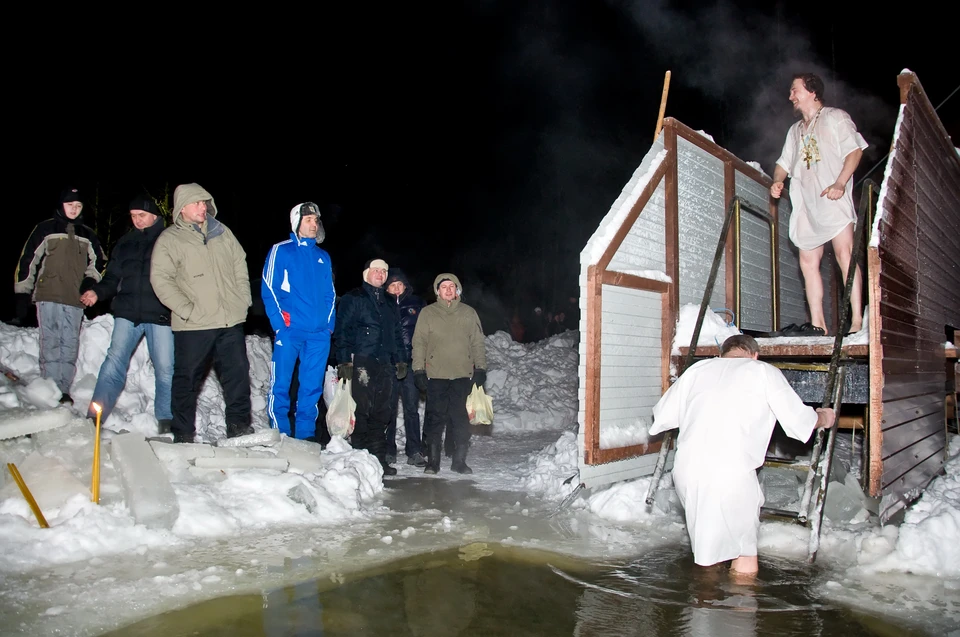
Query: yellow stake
[
  {"x": 95, "y": 473},
  {"x": 27, "y": 495},
  {"x": 663, "y": 105}
]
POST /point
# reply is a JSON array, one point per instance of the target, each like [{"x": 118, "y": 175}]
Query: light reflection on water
[{"x": 506, "y": 591}]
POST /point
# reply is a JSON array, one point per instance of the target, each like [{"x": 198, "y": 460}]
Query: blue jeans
[
  {"x": 113, "y": 372},
  {"x": 405, "y": 390}
]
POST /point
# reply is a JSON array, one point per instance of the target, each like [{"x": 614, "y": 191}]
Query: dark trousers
[
  {"x": 447, "y": 409},
  {"x": 372, "y": 386},
  {"x": 194, "y": 351},
  {"x": 406, "y": 391}
]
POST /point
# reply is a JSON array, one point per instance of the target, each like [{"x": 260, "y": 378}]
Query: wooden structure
[{"x": 652, "y": 253}]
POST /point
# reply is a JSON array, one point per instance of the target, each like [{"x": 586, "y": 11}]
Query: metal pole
[{"x": 816, "y": 520}]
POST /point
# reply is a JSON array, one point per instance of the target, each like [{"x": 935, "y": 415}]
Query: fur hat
[
  {"x": 305, "y": 209},
  {"x": 374, "y": 263}
]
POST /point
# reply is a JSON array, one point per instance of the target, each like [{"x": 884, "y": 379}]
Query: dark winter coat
[
  {"x": 408, "y": 307},
  {"x": 367, "y": 325},
  {"x": 127, "y": 279},
  {"x": 61, "y": 260}
]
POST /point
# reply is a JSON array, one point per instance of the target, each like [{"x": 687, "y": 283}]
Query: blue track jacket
[{"x": 297, "y": 279}]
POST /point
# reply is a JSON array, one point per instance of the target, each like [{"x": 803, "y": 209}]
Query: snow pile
[
  {"x": 927, "y": 542},
  {"x": 20, "y": 350},
  {"x": 534, "y": 385},
  {"x": 714, "y": 330},
  {"x": 553, "y": 466}
]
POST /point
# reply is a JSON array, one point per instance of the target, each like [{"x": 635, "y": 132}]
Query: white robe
[
  {"x": 815, "y": 220},
  {"x": 726, "y": 409}
]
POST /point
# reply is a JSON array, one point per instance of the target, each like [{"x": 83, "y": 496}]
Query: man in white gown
[
  {"x": 820, "y": 155},
  {"x": 726, "y": 409}
]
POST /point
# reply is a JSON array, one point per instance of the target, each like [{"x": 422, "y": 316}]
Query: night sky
[{"x": 486, "y": 138}]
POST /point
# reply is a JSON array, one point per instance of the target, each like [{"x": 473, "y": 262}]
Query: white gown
[
  {"x": 726, "y": 409},
  {"x": 815, "y": 220}
]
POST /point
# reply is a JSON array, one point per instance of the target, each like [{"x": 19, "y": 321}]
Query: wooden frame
[{"x": 599, "y": 275}]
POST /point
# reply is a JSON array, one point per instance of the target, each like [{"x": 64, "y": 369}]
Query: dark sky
[{"x": 487, "y": 138}]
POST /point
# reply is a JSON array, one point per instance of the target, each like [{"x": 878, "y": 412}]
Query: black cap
[
  {"x": 69, "y": 194},
  {"x": 144, "y": 203}
]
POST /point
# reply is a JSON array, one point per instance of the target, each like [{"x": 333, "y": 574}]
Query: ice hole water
[{"x": 496, "y": 590}]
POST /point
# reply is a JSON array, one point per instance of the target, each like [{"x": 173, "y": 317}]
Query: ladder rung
[{"x": 781, "y": 514}]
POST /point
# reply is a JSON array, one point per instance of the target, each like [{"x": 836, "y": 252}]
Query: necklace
[{"x": 810, "y": 152}]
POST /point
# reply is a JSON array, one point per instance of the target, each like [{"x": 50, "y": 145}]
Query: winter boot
[
  {"x": 387, "y": 469},
  {"x": 179, "y": 437},
  {"x": 238, "y": 430},
  {"x": 65, "y": 399},
  {"x": 433, "y": 458},
  {"x": 459, "y": 464},
  {"x": 163, "y": 426}
]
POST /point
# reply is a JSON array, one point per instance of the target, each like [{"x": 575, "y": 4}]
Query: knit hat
[
  {"x": 374, "y": 263},
  {"x": 69, "y": 194},
  {"x": 144, "y": 203}
]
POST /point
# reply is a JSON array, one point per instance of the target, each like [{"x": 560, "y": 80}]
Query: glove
[
  {"x": 401, "y": 371},
  {"x": 345, "y": 370},
  {"x": 286, "y": 317},
  {"x": 22, "y": 307},
  {"x": 420, "y": 380},
  {"x": 479, "y": 377}
]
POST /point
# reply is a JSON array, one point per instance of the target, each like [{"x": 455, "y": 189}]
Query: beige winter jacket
[
  {"x": 200, "y": 272},
  {"x": 448, "y": 339}
]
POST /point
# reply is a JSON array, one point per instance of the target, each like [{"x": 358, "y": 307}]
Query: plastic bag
[
  {"x": 479, "y": 407},
  {"x": 341, "y": 415},
  {"x": 330, "y": 383}
]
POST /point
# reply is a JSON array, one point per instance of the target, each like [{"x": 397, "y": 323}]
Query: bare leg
[
  {"x": 843, "y": 249},
  {"x": 813, "y": 284},
  {"x": 745, "y": 565}
]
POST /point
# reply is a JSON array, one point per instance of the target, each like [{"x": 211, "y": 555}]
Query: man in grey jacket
[{"x": 199, "y": 271}]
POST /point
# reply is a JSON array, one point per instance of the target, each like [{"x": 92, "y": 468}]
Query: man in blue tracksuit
[{"x": 300, "y": 299}]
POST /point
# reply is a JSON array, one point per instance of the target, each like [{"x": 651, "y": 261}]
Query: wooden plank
[
  {"x": 875, "y": 409},
  {"x": 897, "y": 467},
  {"x": 909, "y": 434},
  {"x": 770, "y": 350},
  {"x": 591, "y": 418},
  {"x": 634, "y": 282},
  {"x": 720, "y": 153},
  {"x": 624, "y": 453},
  {"x": 903, "y": 410},
  {"x": 672, "y": 252},
  {"x": 730, "y": 292},
  {"x": 635, "y": 211}
]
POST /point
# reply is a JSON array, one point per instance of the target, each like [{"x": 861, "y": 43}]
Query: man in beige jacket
[
  {"x": 199, "y": 271},
  {"x": 448, "y": 360}
]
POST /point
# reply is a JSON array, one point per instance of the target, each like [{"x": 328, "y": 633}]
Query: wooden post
[{"x": 663, "y": 105}]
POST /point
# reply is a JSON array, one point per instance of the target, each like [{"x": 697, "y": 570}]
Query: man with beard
[{"x": 820, "y": 155}]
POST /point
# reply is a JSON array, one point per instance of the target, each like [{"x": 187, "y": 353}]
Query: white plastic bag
[
  {"x": 341, "y": 415},
  {"x": 479, "y": 407},
  {"x": 330, "y": 382}
]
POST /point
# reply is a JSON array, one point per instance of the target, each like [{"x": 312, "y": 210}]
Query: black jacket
[
  {"x": 127, "y": 278},
  {"x": 409, "y": 306},
  {"x": 367, "y": 325}
]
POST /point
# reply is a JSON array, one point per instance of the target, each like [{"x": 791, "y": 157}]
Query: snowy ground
[{"x": 242, "y": 531}]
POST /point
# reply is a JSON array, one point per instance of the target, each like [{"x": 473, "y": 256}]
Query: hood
[
  {"x": 186, "y": 194},
  {"x": 396, "y": 274},
  {"x": 447, "y": 275}
]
